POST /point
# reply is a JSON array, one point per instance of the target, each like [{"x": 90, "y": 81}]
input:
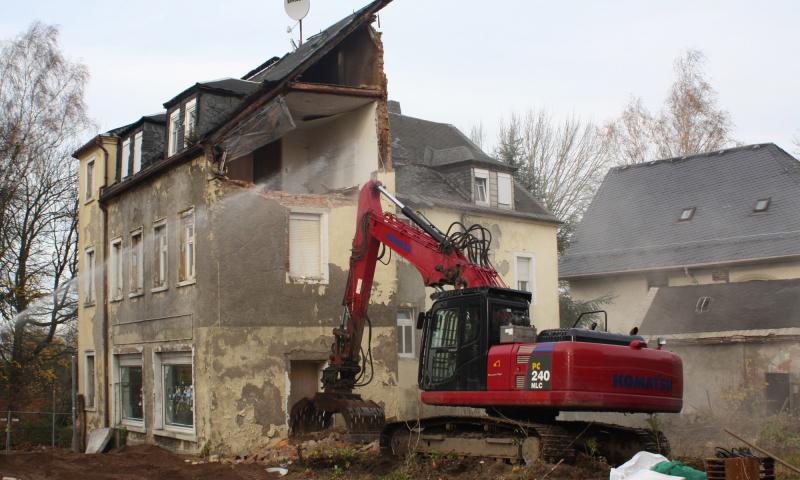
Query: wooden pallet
[{"x": 740, "y": 468}]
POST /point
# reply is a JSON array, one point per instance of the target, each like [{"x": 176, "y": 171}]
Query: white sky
[{"x": 460, "y": 62}]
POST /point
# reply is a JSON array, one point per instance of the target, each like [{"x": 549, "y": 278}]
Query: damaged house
[
  {"x": 703, "y": 251},
  {"x": 215, "y": 239}
]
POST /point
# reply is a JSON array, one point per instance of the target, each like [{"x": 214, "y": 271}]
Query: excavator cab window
[{"x": 503, "y": 314}]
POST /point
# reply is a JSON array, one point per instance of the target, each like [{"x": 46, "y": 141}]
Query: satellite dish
[{"x": 296, "y": 9}]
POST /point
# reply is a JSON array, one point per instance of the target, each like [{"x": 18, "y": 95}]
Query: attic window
[
  {"x": 702, "y": 305},
  {"x": 686, "y": 214},
  {"x": 762, "y": 205},
  {"x": 481, "y": 186}
]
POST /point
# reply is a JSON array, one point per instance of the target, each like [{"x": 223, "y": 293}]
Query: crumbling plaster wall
[
  {"x": 256, "y": 321},
  {"x": 510, "y": 236},
  {"x": 90, "y": 234}
]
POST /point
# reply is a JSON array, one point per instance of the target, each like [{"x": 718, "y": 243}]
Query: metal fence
[{"x": 26, "y": 429}]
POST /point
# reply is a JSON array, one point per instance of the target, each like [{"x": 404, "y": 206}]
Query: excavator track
[{"x": 518, "y": 441}]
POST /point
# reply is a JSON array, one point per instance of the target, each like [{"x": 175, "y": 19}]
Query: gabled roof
[
  {"x": 158, "y": 118},
  {"x": 756, "y": 305},
  {"x": 418, "y": 141},
  {"x": 226, "y": 86},
  {"x": 632, "y": 223}
]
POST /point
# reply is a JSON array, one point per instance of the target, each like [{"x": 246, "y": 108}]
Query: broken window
[
  {"x": 308, "y": 249},
  {"x": 116, "y": 269},
  {"x": 405, "y": 333},
  {"x": 173, "y": 134},
  {"x": 89, "y": 273},
  {"x": 190, "y": 124},
  {"x": 88, "y": 380},
  {"x": 481, "y": 189},
  {"x": 131, "y": 397},
  {"x": 504, "y": 190},
  {"x": 137, "y": 152},
  {"x": 137, "y": 263},
  {"x": 186, "y": 265},
  {"x": 89, "y": 185},
  {"x": 160, "y": 260}
]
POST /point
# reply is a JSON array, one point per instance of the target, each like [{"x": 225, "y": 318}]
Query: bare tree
[
  {"x": 689, "y": 122},
  {"x": 560, "y": 162},
  {"x": 42, "y": 112},
  {"x": 797, "y": 144},
  {"x": 478, "y": 135}
]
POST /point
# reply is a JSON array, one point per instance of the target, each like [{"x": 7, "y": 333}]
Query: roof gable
[{"x": 633, "y": 222}]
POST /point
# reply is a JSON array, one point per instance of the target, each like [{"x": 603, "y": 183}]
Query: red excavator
[{"x": 480, "y": 350}]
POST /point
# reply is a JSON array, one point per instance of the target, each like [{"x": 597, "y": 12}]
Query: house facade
[
  {"x": 685, "y": 249},
  {"x": 215, "y": 241}
]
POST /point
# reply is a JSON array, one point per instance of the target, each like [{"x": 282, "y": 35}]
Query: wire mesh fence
[{"x": 24, "y": 429}]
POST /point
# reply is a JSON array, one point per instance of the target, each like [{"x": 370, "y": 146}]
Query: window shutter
[
  {"x": 137, "y": 152},
  {"x": 504, "y": 189},
  {"x": 304, "y": 245}
]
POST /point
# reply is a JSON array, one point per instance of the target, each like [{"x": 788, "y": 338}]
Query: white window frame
[
  {"x": 90, "y": 263},
  {"x": 478, "y": 173},
  {"x": 89, "y": 389},
  {"x": 187, "y": 255},
  {"x": 125, "y": 155},
  {"x": 173, "y": 129},
  {"x": 137, "y": 152},
  {"x": 407, "y": 323},
  {"x": 115, "y": 270},
  {"x": 190, "y": 120},
  {"x": 507, "y": 195},
  {"x": 531, "y": 273},
  {"x": 300, "y": 213},
  {"x": 88, "y": 186},
  {"x": 161, "y": 359},
  {"x": 137, "y": 281},
  {"x": 161, "y": 257},
  {"x": 128, "y": 360}
]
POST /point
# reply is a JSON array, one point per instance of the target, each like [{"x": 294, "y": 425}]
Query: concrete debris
[{"x": 98, "y": 440}]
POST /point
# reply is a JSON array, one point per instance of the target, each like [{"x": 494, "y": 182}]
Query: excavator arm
[{"x": 440, "y": 260}]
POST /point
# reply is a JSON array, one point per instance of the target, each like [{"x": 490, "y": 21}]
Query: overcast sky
[{"x": 460, "y": 62}]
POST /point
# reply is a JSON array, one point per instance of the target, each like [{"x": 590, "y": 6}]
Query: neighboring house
[
  {"x": 215, "y": 240},
  {"x": 685, "y": 247}
]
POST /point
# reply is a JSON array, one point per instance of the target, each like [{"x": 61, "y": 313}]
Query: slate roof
[
  {"x": 632, "y": 223},
  {"x": 756, "y": 305},
  {"x": 422, "y": 149},
  {"x": 225, "y": 86},
  {"x": 415, "y": 140}
]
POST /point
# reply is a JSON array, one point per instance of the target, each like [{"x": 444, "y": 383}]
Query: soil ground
[{"x": 151, "y": 462}]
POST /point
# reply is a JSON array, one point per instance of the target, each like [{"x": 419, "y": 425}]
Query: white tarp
[{"x": 638, "y": 468}]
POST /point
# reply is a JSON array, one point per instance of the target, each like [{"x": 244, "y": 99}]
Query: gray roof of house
[
  {"x": 756, "y": 305},
  {"x": 632, "y": 223},
  {"x": 435, "y": 144},
  {"x": 226, "y": 86}
]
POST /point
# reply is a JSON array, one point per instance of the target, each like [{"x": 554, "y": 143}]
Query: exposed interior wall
[
  {"x": 332, "y": 153},
  {"x": 355, "y": 62}
]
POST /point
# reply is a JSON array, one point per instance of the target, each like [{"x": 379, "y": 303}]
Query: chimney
[{"x": 394, "y": 107}]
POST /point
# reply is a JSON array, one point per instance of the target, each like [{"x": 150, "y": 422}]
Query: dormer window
[
  {"x": 481, "y": 186},
  {"x": 762, "y": 205},
  {"x": 137, "y": 152},
  {"x": 173, "y": 133},
  {"x": 504, "y": 184},
  {"x": 686, "y": 214},
  {"x": 126, "y": 156},
  {"x": 190, "y": 125}
]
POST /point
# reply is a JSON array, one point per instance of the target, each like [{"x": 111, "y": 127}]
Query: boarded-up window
[
  {"x": 160, "y": 249},
  {"x": 89, "y": 272},
  {"x": 525, "y": 273},
  {"x": 137, "y": 263},
  {"x": 504, "y": 190},
  {"x": 137, "y": 152},
  {"x": 116, "y": 269},
  {"x": 126, "y": 157},
  {"x": 186, "y": 265},
  {"x": 89, "y": 380},
  {"x": 308, "y": 246},
  {"x": 89, "y": 184}
]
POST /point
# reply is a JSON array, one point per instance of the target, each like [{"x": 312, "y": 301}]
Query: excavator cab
[{"x": 460, "y": 329}]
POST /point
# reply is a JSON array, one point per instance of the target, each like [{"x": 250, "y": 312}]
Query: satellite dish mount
[{"x": 297, "y": 10}]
